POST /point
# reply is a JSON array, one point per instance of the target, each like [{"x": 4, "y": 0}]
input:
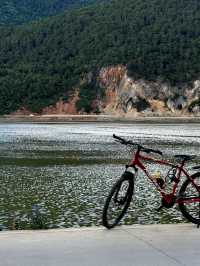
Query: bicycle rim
[
  {"x": 118, "y": 202},
  {"x": 190, "y": 205}
]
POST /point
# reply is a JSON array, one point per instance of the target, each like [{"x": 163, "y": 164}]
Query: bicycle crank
[{"x": 167, "y": 201}]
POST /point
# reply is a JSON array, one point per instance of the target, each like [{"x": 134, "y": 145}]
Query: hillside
[
  {"x": 45, "y": 61},
  {"x": 20, "y": 11}
]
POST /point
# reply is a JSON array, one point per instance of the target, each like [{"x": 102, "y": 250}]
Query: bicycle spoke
[
  {"x": 118, "y": 200},
  {"x": 190, "y": 200}
]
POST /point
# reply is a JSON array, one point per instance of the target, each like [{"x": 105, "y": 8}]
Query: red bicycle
[{"x": 188, "y": 197}]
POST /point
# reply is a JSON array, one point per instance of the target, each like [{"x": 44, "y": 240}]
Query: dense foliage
[
  {"x": 20, "y": 11},
  {"x": 41, "y": 62},
  {"x": 89, "y": 95}
]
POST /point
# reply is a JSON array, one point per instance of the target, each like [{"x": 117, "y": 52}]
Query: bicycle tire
[
  {"x": 183, "y": 206},
  {"x": 127, "y": 176}
]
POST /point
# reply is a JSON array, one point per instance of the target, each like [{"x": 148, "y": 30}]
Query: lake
[{"x": 58, "y": 175}]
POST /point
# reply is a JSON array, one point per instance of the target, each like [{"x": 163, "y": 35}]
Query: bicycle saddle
[{"x": 185, "y": 157}]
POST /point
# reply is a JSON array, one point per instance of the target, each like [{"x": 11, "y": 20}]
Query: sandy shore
[{"x": 95, "y": 118}]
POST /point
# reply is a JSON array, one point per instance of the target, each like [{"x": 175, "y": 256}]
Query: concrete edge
[{"x": 100, "y": 228}]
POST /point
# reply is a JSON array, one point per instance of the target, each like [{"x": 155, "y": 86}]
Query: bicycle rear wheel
[
  {"x": 189, "y": 197},
  {"x": 118, "y": 200}
]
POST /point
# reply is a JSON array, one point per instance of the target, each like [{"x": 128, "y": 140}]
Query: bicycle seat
[{"x": 185, "y": 157}]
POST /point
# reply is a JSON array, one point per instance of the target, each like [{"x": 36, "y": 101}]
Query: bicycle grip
[
  {"x": 121, "y": 140},
  {"x": 117, "y": 137}
]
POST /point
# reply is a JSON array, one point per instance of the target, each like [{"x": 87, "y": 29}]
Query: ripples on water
[{"x": 67, "y": 170}]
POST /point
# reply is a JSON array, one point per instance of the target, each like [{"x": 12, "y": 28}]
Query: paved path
[{"x": 152, "y": 245}]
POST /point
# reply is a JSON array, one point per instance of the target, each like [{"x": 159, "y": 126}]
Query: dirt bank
[{"x": 95, "y": 118}]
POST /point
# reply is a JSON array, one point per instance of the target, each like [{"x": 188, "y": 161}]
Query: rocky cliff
[{"x": 125, "y": 96}]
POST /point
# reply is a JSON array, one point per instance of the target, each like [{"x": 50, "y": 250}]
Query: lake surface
[{"x": 62, "y": 173}]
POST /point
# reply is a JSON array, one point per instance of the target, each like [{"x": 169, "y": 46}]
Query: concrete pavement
[{"x": 138, "y": 245}]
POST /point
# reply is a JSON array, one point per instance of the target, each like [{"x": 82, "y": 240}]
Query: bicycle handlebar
[
  {"x": 140, "y": 147},
  {"x": 123, "y": 141},
  {"x": 153, "y": 151}
]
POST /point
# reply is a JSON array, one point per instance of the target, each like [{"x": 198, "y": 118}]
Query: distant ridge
[
  {"x": 21, "y": 11},
  {"x": 43, "y": 62}
]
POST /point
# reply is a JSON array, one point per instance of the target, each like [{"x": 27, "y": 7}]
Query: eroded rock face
[
  {"x": 126, "y": 96},
  {"x": 148, "y": 98},
  {"x": 62, "y": 107},
  {"x": 111, "y": 77},
  {"x": 22, "y": 111}
]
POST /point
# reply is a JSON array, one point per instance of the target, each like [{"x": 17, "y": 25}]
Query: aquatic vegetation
[{"x": 55, "y": 176}]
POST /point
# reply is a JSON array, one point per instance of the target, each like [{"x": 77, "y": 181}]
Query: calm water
[{"x": 63, "y": 172}]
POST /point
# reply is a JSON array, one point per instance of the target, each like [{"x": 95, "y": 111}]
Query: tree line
[{"x": 43, "y": 61}]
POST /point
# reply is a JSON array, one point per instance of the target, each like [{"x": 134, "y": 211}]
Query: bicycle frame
[{"x": 136, "y": 163}]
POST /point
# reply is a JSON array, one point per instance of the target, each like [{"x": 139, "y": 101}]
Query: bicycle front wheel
[
  {"x": 118, "y": 200},
  {"x": 189, "y": 199}
]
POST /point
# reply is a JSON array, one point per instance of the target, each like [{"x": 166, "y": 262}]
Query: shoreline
[{"x": 96, "y": 118}]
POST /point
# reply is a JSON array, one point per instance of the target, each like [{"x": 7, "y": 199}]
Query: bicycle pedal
[{"x": 160, "y": 208}]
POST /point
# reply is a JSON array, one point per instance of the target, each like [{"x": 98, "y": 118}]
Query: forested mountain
[
  {"x": 41, "y": 62},
  {"x": 20, "y": 11}
]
